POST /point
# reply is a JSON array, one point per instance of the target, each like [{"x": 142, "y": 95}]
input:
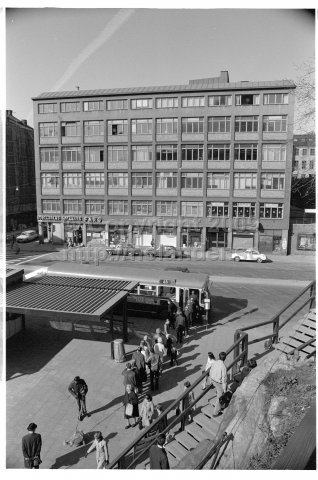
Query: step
[
  {"x": 306, "y": 330},
  {"x": 186, "y": 440},
  {"x": 210, "y": 425},
  {"x": 312, "y": 316},
  {"x": 199, "y": 433},
  {"x": 177, "y": 450},
  {"x": 208, "y": 409},
  {"x": 173, "y": 462},
  {"x": 302, "y": 337},
  {"x": 308, "y": 323},
  {"x": 294, "y": 344}
]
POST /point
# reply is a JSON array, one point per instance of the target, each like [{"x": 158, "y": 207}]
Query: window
[
  {"x": 93, "y": 128},
  {"x": 219, "y": 181},
  {"x": 94, "y": 154},
  {"x": 192, "y": 102},
  {"x": 72, "y": 180},
  {"x": 275, "y": 123},
  {"x": 219, "y": 152},
  {"x": 274, "y": 152},
  {"x": 272, "y": 181},
  {"x": 166, "y": 209},
  {"x": 192, "y": 125},
  {"x": 271, "y": 210},
  {"x": 167, "y": 153},
  {"x": 245, "y": 181},
  {"x": 141, "y": 153},
  {"x": 219, "y": 124},
  {"x": 70, "y": 129},
  {"x": 118, "y": 180},
  {"x": 303, "y": 164},
  {"x": 247, "y": 99},
  {"x": 51, "y": 206},
  {"x": 297, "y": 150},
  {"x": 117, "y": 127},
  {"x": 47, "y": 107},
  {"x": 306, "y": 242},
  {"x": 220, "y": 100},
  {"x": 67, "y": 107},
  {"x": 246, "y": 124},
  {"x": 141, "y": 103},
  {"x": 93, "y": 106},
  {"x": 71, "y": 154},
  {"x": 217, "y": 209},
  {"x": 117, "y": 153},
  {"x": 166, "y": 180},
  {"x": 304, "y": 152},
  {"x": 166, "y": 126},
  {"x": 48, "y": 129},
  {"x": 141, "y": 207},
  {"x": 245, "y": 152},
  {"x": 191, "y": 180},
  {"x": 167, "y": 102},
  {"x": 192, "y": 153},
  {"x": 243, "y": 210},
  {"x": 49, "y": 155},
  {"x": 96, "y": 207},
  {"x": 72, "y": 206},
  {"x": 142, "y": 126},
  {"x": 50, "y": 180},
  {"x": 117, "y": 105},
  {"x": 192, "y": 209},
  {"x": 141, "y": 180},
  {"x": 95, "y": 180},
  {"x": 312, "y": 151},
  {"x": 117, "y": 207},
  {"x": 296, "y": 164},
  {"x": 311, "y": 164},
  {"x": 276, "y": 98}
]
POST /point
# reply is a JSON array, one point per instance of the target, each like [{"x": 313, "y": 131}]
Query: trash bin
[{"x": 119, "y": 350}]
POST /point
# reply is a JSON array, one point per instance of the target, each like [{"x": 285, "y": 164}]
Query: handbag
[
  {"x": 36, "y": 461},
  {"x": 129, "y": 409}
]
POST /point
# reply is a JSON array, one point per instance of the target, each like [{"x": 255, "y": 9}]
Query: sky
[{"x": 51, "y": 49}]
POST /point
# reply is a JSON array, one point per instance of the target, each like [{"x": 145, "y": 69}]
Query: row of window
[
  {"x": 165, "y": 126},
  {"x": 143, "y": 153},
  {"x": 304, "y": 165},
  {"x": 165, "y": 180},
  {"x": 163, "y": 208},
  {"x": 165, "y": 102},
  {"x": 304, "y": 151}
]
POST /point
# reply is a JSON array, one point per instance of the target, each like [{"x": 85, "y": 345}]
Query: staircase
[
  {"x": 305, "y": 330},
  {"x": 203, "y": 426}
]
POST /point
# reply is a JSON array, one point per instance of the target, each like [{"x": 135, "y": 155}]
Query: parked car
[
  {"x": 27, "y": 236},
  {"x": 124, "y": 249},
  {"x": 166, "y": 251},
  {"x": 249, "y": 255}
]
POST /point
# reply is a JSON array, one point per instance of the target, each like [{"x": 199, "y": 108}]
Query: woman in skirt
[{"x": 131, "y": 399}]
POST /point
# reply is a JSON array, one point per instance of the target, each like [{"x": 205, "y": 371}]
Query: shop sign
[
  {"x": 71, "y": 218},
  {"x": 49, "y": 217},
  {"x": 93, "y": 219}
]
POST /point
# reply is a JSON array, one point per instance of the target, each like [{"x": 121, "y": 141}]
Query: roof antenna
[{"x": 77, "y": 86}]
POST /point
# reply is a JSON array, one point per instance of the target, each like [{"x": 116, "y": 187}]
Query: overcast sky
[{"x": 58, "y": 49}]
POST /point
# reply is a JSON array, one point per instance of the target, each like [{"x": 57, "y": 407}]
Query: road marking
[
  {"x": 281, "y": 282},
  {"x": 34, "y": 257}
]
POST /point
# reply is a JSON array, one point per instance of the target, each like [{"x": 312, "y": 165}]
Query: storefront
[
  {"x": 242, "y": 239},
  {"x": 166, "y": 236},
  {"x": 270, "y": 241},
  {"x": 95, "y": 234},
  {"x": 73, "y": 232},
  {"x": 118, "y": 234},
  {"x": 216, "y": 238},
  {"x": 191, "y": 237},
  {"x": 142, "y": 236}
]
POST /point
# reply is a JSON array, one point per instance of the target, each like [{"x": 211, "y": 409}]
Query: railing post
[
  {"x": 244, "y": 347},
  {"x": 236, "y": 352},
  {"x": 312, "y": 292},
  {"x": 275, "y": 330}
]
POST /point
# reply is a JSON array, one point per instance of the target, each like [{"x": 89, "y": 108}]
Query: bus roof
[{"x": 142, "y": 275}]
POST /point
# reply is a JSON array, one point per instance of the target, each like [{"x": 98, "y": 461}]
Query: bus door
[{"x": 185, "y": 296}]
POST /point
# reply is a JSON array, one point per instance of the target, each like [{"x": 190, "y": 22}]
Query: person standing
[
  {"x": 211, "y": 359},
  {"x": 180, "y": 321},
  {"x": 184, "y": 404},
  {"x": 163, "y": 423},
  {"x": 158, "y": 455},
  {"x": 31, "y": 447},
  {"x": 102, "y": 456},
  {"x": 154, "y": 365},
  {"x": 160, "y": 349},
  {"x": 131, "y": 406},
  {"x": 171, "y": 312},
  {"x": 147, "y": 411},
  {"x": 172, "y": 352},
  {"x": 140, "y": 363},
  {"x": 78, "y": 389},
  {"x": 130, "y": 377},
  {"x": 218, "y": 378}
]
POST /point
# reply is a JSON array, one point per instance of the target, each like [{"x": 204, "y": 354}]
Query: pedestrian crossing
[{"x": 14, "y": 257}]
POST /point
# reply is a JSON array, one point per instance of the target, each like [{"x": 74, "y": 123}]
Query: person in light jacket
[
  {"x": 102, "y": 457},
  {"x": 147, "y": 411}
]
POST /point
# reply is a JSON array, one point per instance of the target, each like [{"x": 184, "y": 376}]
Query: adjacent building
[
  {"x": 304, "y": 161},
  {"x": 20, "y": 174},
  {"x": 203, "y": 165}
]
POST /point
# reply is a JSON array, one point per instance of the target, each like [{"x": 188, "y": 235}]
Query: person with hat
[
  {"x": 140, "y": 363},
  {"x": 102, "y": 456},
  {"x": 130, "y": 377},
  {"x": 31, "y": 447},
  {"x": 78, "y": 389}
]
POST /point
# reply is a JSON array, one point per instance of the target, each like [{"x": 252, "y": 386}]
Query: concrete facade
[
  {"x": 304, "y": 162},
  {"x": 205, "y": 165}
]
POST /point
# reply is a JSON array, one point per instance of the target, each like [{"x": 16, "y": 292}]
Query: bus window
[
  {"x": 167, "y": 292},
  {"x": 147, "y": 290},
  {"x": 195, "y": 295}
]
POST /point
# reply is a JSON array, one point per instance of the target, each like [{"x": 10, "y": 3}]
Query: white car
[
  {"x": 27, "y": 236},
  {"x": 249, "y": 255}
]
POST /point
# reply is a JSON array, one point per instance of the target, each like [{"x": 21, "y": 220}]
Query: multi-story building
[
  {"x": 20, "y": 173},
  {"x": 206, "y": 164},
  {"x": 304, "y": 162}
]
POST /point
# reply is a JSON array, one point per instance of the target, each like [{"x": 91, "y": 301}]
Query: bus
[{"x": 155, "y": 286}]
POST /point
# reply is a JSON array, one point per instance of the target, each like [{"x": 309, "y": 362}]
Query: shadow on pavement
[{"x": 224, "y": 306}]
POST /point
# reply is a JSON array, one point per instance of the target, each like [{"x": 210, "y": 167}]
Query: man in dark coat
[
  {"x": 31, "y": 447},
  {"x": 158, "y": 455},
  {"x": 180, "y": 322},
  {"x": 130, "y": 377},
  {"x": 140, "y": 364},
  {"x": 79, "y": 389}
]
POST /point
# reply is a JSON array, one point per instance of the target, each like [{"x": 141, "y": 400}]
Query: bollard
[{"x": 119, "y": 350}]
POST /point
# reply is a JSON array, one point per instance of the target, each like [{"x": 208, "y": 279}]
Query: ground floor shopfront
[{"x": 185, "y": 234}]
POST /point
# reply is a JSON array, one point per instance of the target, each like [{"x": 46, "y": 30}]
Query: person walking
[
  {"x": 184, "y": 404},
  {"x": 163, "y": 423},
  {"x": 218, "y": 378},
  {"x": 160, "y": 349},
  {"x": 171, "y": 312},
  {"x": 147, "y": 411},
  {"x": 31, "y": 447},
  {"x": 154, "y": 365},
  {"x": 158, "y": 455},
  {"x": 157, "y": 335},
  {"x": 188, "y": 311},
  {"x": 78, "y": 389},
  {"x": 210, "y": 360},
  {"x": 180, "y": 321},
  {"x": 172, "y": 351},
  {"x": 131, "y": 406},
  {"x": 166, "y": 327},
  {"x": 140, "y": 363},
  {"x": 130, "y": 377},
  {"x": 102, "y": 456},
  {"x": 12, "y": 242}
]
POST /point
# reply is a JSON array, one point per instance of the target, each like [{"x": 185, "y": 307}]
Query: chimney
[
  {"x": 224, "y": 76},
  {"x": 24, "y": 122},
  {"x": 9, "y": 112}
]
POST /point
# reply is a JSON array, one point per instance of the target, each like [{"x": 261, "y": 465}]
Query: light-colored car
[
  {"x": 249, "y": 255},
  {"x": 27, "y": 236},
  {"x": 124, "y": 249}
]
